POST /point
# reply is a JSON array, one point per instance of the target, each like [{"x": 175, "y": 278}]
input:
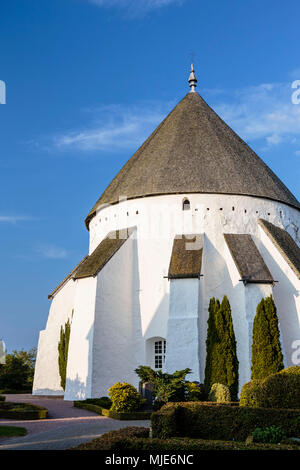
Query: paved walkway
[{"x": 66, "y": 426}]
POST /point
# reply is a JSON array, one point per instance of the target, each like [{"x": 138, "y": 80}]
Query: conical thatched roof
[{"x": 194, "y": 151}]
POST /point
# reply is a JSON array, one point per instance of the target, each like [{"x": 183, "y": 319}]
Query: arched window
[
  {"x": 186, "y": 205},
  {"x": 156, "y": 352},
  {"x": 159, "y": 354}
]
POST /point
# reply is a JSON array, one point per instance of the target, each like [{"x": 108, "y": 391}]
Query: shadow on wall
[
  {"x": 76, "y": 389},
  {"x": 79, "y": 388}
]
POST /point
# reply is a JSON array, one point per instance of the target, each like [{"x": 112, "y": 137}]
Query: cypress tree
[
  {"x": 221, "y": 359},
  {"x": 210, "y": 342},
  {"x": 231, "y": 360},
  {"x": 267, "y": 357},
  {"x": 63, "y": 347}
]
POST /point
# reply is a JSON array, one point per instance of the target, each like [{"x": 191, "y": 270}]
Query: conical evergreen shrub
[
  {"x": 221, "y": 358},
  {"x": 63, "y": 347},
  {"x": 267, "y": 357},
  {"x": 211, "y": 340}
]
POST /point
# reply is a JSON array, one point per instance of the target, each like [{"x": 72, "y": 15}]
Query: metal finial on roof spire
[{"x": 192, "y": 79}]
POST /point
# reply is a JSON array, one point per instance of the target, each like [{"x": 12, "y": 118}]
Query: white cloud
[
  {"x": 136, "y": 7},
  {"x": 51, "y": 251},
  {"x": 13, "y": 219},
  {"x": 117, "y": 128},
  {"x": 262, "y": 112}
]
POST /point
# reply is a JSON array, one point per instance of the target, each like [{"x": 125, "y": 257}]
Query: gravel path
[{"x": 66, "y": 426}]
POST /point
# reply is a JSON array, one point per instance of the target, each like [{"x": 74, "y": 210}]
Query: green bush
[
  {"x": 219, "y": 393},
  {"x": 280, "y": 390},
  {"x": 220, "y": 421},
  {"x": 194, "y": 391},
  {"x": 221, "y": 359},
  {"x": 272, "y": 435},
  {"x": 166, "y": 387},
  {"x": 125, "y": 397},
  {"x": 18, "y": 371},
  {"x": 267, "y": 357}
]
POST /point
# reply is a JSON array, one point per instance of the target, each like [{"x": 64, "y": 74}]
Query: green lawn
[{"x": 11, "y": 431}]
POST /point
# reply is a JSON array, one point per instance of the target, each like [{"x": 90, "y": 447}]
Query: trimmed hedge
[
  {"x": 12, "y": 431},
  {"x": 125, "y": 416},
  {"x": 220, "y": 421},
  {"x": 137, "y": 439},
  {"x": 190, "y": 445},
  {"x": 11, "y": 410},
  {"x": 106, "y": 441},
  {"x": 280, "y": 390},
  {"x": 103, "y": 402}
]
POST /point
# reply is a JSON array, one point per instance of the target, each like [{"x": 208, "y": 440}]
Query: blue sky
[{"x": 86, "y": 83}]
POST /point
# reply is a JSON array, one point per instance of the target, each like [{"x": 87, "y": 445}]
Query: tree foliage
[
  {"x": 221, "y": 359},
  {"x": 166, "y": 387},
  {"x": 18, "y": 371},
  {"x": 267, "y": 357},
  {"x": 63, "y": 347}
]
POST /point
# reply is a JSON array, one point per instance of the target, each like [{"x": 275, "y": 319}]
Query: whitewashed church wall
[
  {"x": 46, "y": 376},
  {"x": 154, "y": 259},
  {"x": 118, "y": 347},
  {"x": 159, "y": 219},
  {"x": 286, "y": 296},
  {"x": 80, "y": 355},
  {"x": 182, "y": 331},
  {"x": 145, "y": 291}
]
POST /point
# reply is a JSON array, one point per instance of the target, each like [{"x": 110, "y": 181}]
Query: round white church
[{"x": 194, "y": 214}]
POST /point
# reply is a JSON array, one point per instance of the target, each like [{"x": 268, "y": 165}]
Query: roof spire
[{"x": 192, "y": 79}]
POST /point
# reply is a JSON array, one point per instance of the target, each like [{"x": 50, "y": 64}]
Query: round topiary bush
[
  {"x": 250, "y": 394},
  {"x": 280, "y": 390},
  {"x": 125, "y": 397},
  {"x": 219, "y": 393}
]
